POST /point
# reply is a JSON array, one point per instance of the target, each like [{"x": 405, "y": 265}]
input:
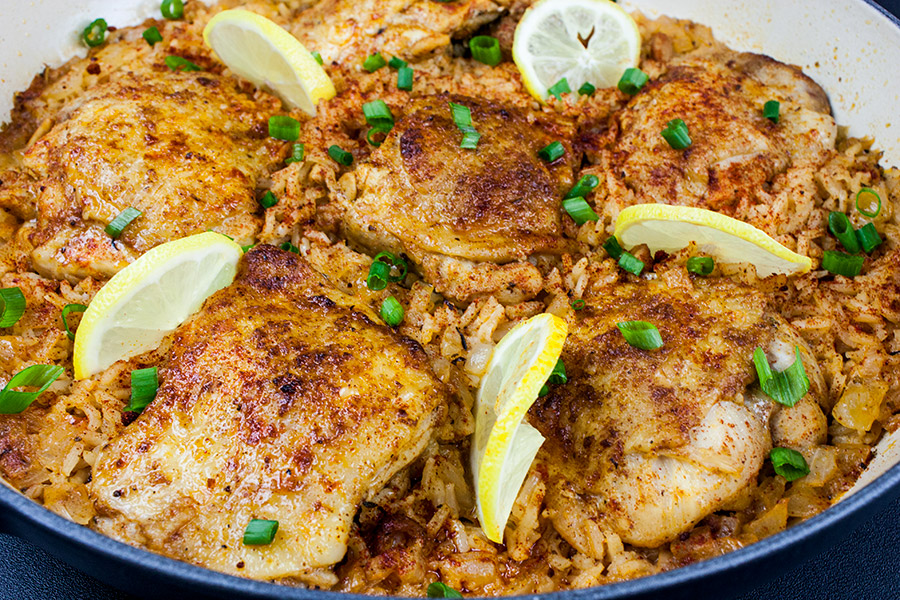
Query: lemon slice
[
  {"x": 264, "y": 53},
  {"x": 671, "y": 228},
  {"x": 151, "y": 297},
  {"x": 585, "y": 41},
  {"x": 504, "y": 446}
]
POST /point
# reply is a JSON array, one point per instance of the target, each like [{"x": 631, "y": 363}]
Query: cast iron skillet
[{"x": 150, "y": 575}]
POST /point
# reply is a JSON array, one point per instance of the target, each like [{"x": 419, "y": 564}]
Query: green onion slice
[
  {"x": 95, "y": 33},
  {"x": 641, "y": 334},
  {"x": 579, "y": 210},
  {"x": 67, "y": 309},
  {"x": 405, "y": 79},
  {"x": 462, "y": 117},
  {"x": 13, "y": 302},
  {"x": 340, "y": 155},
  {"x": 379, "y": 273},
  {"x": 298, "y": 151},
  {"x": 172, "y": 9},
  {"x": 868, "y": 237},
  {"x": 318, "y": 57},
  {"x": 788, "y": 463},
  {"x": 289, "y": 247},
  {"x": 839, "y": 225},
  {"x": 551, "y": 151},
  {"x": 839, "y": 263},
  {"x": 122, "y": 220},
  {"x": 584, "y": 187},
  {"x": 144, "y": 385},
  {"x": 486, "y": 49},
  {"x": 786, "y": 387},
  {"x": 557, "y": 377},
  {"x": 629, "y": 262},
  {"x": 391, "y": 311},
  {"x": 374, "y": 62},
  {"x": 701, "y": 265},
  {"x": 676, "y": 134},
  {"x": 378, "y": 114},
  {"x": 395, "y": 262},
  {"x": 12, "y": 401},
  {"x": 177, "y": 63},
  {"x": 771, "y": 110},
  {"x": 578, "y": 304},
  {"x": 865, "y": 199},
  {"x": 632, "y": 81},
  {"x": 396, "y": 62},
  {"x": 260, "y": 532},
  {"x": 559, "y": 88},
  {"x": 152, "y": 35},
  {"x": 470, "y": 140},
  {"x": 439, "y": 589},
  {"x": 268, "y": 200},
  {"x": 283, "y": 127},
  {"x": 613, "y": 248},
  {"x": 587, "y": 90},
  {"x": 377, "y": 131}
]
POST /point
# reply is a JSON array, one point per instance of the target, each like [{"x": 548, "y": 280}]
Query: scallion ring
[
  {"x": 462, "y": 117},
  {"x": 839, "y": 225},
  {"x": 13, "y": 302},
  {"x": 298, "y": 151},
  {"x": 144, "y": 385},
  {"x": 318, "y": 57},
  {"x": 840, "y": 263},
  {"x": 397, "y": 63},
  {"x": 788, "y": 463},
  {"x": 438, "y": 589},
  {"x": 405, "y": 79},
  {"x": 377, "y": 131},
  {"x": 613, "y": 248},
  {"x": 578, "y": 304},
  {"x": 374, "y": 62},
  {"x": 268, "y": 200},
  {"x": 486, "y": 49},
  {"x": 868, "y": 237},
  {"x": 771, "y": 110},
  {"x": 152, "y": 36},
  {"x": 177, "y": 63},
  {"x": 68, "y": 309},
  {"x": 786, "y": 387},
  {"x": 378, "y": 113},
  {"x": 12, "y": 401},
  {"x": 552, "y": 151},
  {"x": 289, "y": 247},
  {"x": 122, "y": 220},
  {"x": 632, "y": 81},
  {"x": 677, "y": 135},
  {"x": 865, "y": 198},
  {"x": 283, "y": 127},
  {"x": 587, "y": 89},
  {"x": 392, "y": 311},
  {"x": 260, "y": 532},
  {"x": 95, "y": 33},
  {"x": 580, "y": 211},
  {"x": 557, "y": 377},
  {"x": 395, "y": 262},
  {"x": 172, "y": 9},
  {"x": 641, "y": 334},
  {"x": 630, "y": 263},
  {"x": 379, "y": 273},
  {"x": 701, "y": 265},
  {"x": 584, "y": 187},
  {"x": 340, "y": 155},
  {"x": 559, "y": 88}
]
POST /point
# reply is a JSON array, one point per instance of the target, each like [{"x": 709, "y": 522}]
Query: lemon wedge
[
  {"x": 264, "y": 53},
  {"x": 585, "y": 41},
  {"x": 671, "y": 228},
  {"x": 151, "y": 297},
  {"x": 504, "y": 446}
]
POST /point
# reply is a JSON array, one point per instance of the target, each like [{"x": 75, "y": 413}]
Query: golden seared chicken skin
[
  {"x": 469, "y": 219},
  {"x": 643, "y": 443},
  {"x": 739, "y": 162},
  {"x": 281, "y": 399},
  {"x": 184, "y": 149}
]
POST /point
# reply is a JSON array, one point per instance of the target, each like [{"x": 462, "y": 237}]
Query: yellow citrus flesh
[
  {"x": 585, "y": 41},
  {"x": 503, "y": 446},
  {"x": 264, "y": 53},
  {"x": 671, "y": 228},
  {"x": 151, "y": 297}
]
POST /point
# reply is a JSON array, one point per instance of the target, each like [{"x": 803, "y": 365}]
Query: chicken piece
[
  {"x": 469, "y": 219},
  {"x": 281, "y": 399},
  {"x": 739, "y": 163},
  {"x": 648, "y": 443},
  {"x": 347, "y": 31},
  {"x": 184, "y": 149}
]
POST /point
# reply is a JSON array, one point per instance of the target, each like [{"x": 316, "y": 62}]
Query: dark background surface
[{"x": 865, "y": 565}]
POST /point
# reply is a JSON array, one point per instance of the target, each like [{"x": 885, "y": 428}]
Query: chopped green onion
[
  {"x": 379, "y": 272},
  {"x": 559, "y": 88},
  {"x": 839, "y": 263},
  {"x": 283, "y": 127},
  {"x": 771, "y": 110},
  {"x": 486, "y": 49},
  {"x": 380, "y": 130},
  {"x": 613, "y": 248},
  {"x": 629, "y": 262},
  {"x": 95, "y": 33},
  {"x": 462, "y": 117},
  {"x": 786, "y": 387},
  {"x": 551, "y": 152},
  {"x": 405, "y": 79},
  {"x": 378, "y": 113},
  {"x": 391, "y": 311},
  {"x": 268, "y": 200},
  {"x": 868, "y": 237},
  {"x": 641, "y": 334},
  {"x": 13, "y": 302},
  {"x": 144, "y": 385},
  {"x": 152, "y": 35},
  {"x": 394, "y": 262},
  {"x": 788, "y": 463},
  {"x": 700, "y": 265},
  {"x": 374, "y": 62},
  {"x": 866, "y": 196},
  {"x": 318, "y": 57},
  {"x": 298, "y": 151},
  {"x": 247, "y": 248},
  {"x": 340, "y": 155},
  {"x": 122, "y": 220},
  {"x": 439, "y": 589},
  {"x": 470, "y": 140},
  {"x": 70, "y": 308},
  {"x": 557, "y": 377},
  {"x": 583, "y": 187},
  {"x": 260, "y": 532},
  {"x": 397, "y": 63},
  {"x": 676, "y": 133},
  {"x": 289, "y": 247},
  {"x": 177, "y": 63},
  {"x": 12, "y": 402},
  {"x": 587, "y": 89},
  {"x": 632, "y": 81},
  {"x": 578, "y": 304},
  {"x": 839, "y": 225},
  {"x": 172, "y": 9},
  {"x": 579, "y": 210}
]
